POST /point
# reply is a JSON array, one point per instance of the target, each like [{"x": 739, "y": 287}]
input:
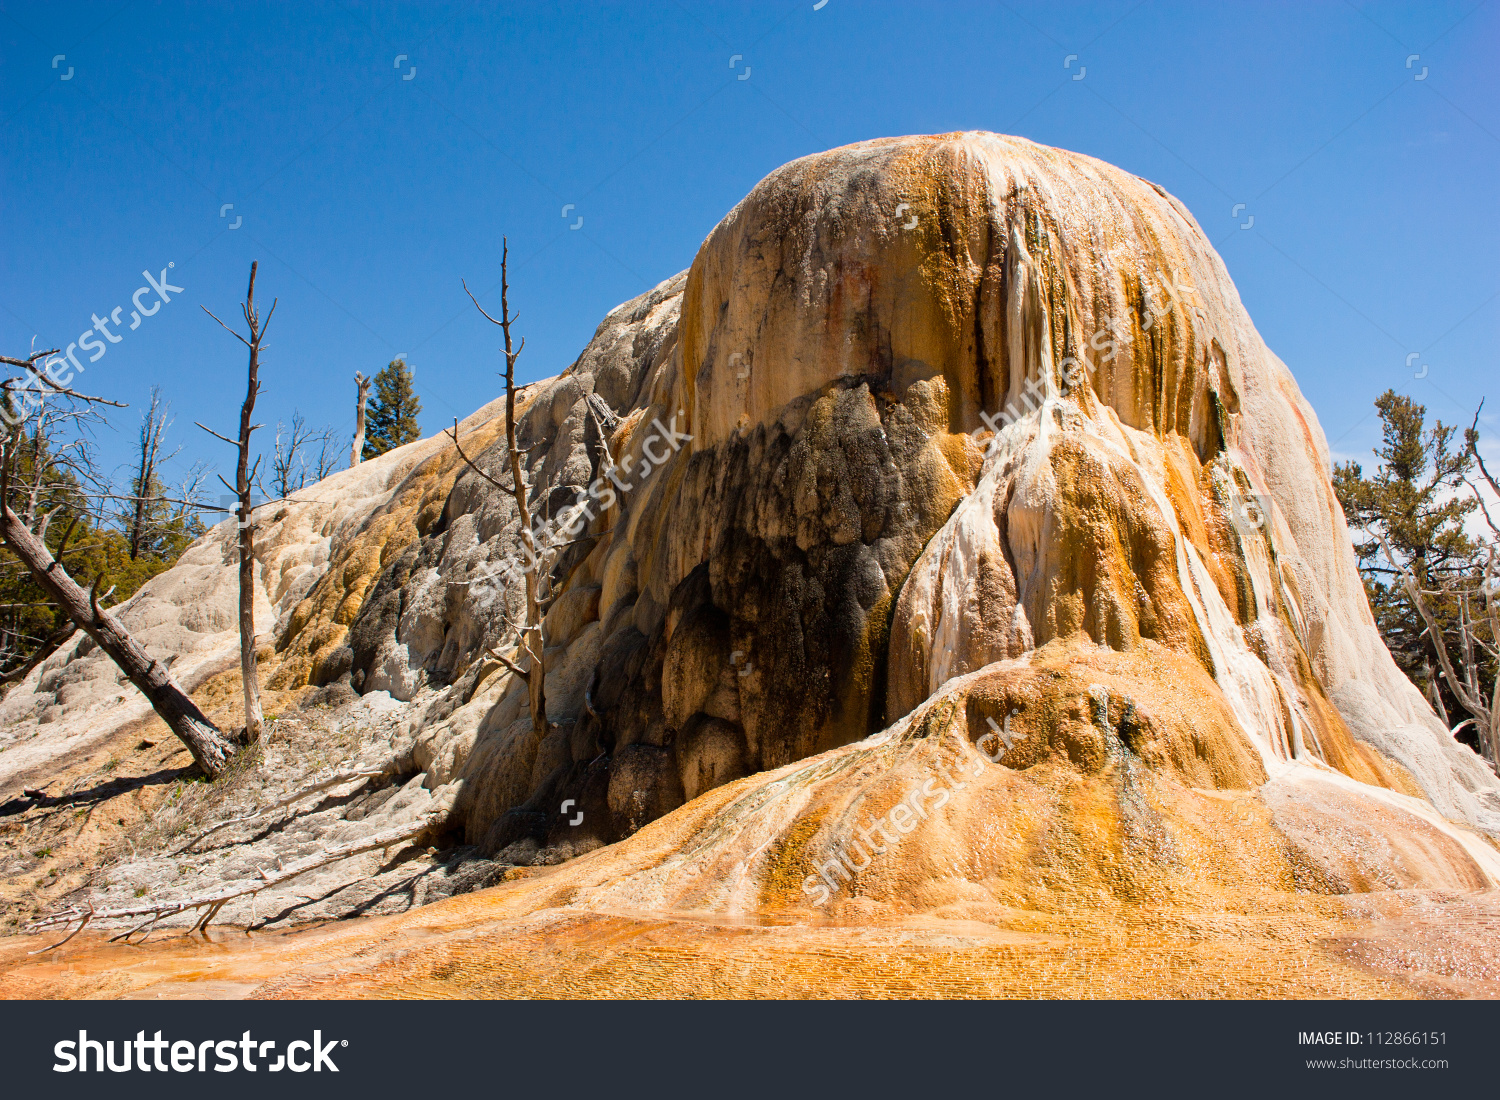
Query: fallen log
[
  {"x": 321, "y": 785},
  {"x": 215, "y": 900}
]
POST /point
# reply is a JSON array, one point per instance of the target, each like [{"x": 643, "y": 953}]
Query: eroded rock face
[
  {"x": 1027, "y": 408},
  {"x": 946, "y": 452}
]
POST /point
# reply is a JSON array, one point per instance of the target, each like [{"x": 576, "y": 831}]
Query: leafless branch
[
  {"x": 29, "y": 365},
  {"x": 81, "y": 926},
  {"x": 491, "y": 651},
  {"x": 231, "y": 332},
  {"x": 479, "y": 307},
  {"x": 216, "y": 435},
  {"x": 1465, "y": 689},
  {"x": 1471, "y": 439},
  {"x": 471, "y": 463}
]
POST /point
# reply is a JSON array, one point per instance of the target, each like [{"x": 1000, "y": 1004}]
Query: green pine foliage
[
  {"x": 392, "y": 417},
  {"x": 1419, "y": 499},
  {"x": 93, "y": 545}
]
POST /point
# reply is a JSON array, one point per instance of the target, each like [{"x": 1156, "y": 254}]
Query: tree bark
[
  {"x": 359, "y": 419},
  {"x": 243, "y": 484},
  {"x": 531, "y": 642},
  {"x": 209, "y": 748},
  {"x": 253, "y": 717},
  {"x": 531, "y": 638}
]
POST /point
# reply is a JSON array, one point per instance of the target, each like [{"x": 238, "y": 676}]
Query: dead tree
[
  {"x": 217, "y": 899},
  {"x": 202, "y": 737},
  {"x": 1487, "y": 595},
  {"x": 242, "y": 488},
  {"x": 1484, "y": 714},
  {"x": 294, "y": 463},
  {"x": 153, "y": 429},
  {"x": 208, "y": 746},
  {"x": 327, "y": 460},
  {"x": 363, "y": 385},
  {"x": 1471, "y": 443},
  {"x": 529, "y": 632},
  {"x": 288, "y": 462}
]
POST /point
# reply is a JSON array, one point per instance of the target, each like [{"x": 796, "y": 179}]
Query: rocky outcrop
[
  {"x": 1028, "y": 408},
  {"x": 948, "y": 455}
]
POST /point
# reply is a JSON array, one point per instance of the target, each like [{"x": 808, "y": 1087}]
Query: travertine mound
[
  {"x": 842, "y": 535},
  {"x": 952, "y": 464}
]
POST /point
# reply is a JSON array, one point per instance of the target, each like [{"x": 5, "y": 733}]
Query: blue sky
[{"x": 366, "y": 196}]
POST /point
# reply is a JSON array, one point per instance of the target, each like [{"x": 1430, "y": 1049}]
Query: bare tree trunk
[
  {"x": 531, "y": 630},
  {"x": 1465, "y": 690},
  {"x": 38, "y": 470},
  {"x": 1434, "y": 696},
  {"x": 359, "y": 418},
  {"x": 208, "y": 746},
  {"x": 253, "y": 717},
  {"x": 1492, "y": 613},
  {"x": 153, "y": 425},
  {"x": 243, "y": 484},
  {"x": 242, "y": 480}
]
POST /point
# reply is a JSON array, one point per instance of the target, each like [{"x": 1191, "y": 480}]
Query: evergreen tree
[
  {"x": 50, "y": 477},
  {"x": 1417, "y": 500},
  {"x": 392, "y": 420}
]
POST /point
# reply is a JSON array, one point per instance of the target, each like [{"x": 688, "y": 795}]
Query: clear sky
[{"x": 366, "y": 196}]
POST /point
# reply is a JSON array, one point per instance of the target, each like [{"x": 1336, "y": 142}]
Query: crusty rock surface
[
  {"x": 941, "y": 442},
  {"x": 842, "y": 536}
]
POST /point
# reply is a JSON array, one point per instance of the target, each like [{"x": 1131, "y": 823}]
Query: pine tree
[
  {"x": 1416, "y": 501},
  {"x": 392, "y": 420},
  {"x": 50, "y": 478}
]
